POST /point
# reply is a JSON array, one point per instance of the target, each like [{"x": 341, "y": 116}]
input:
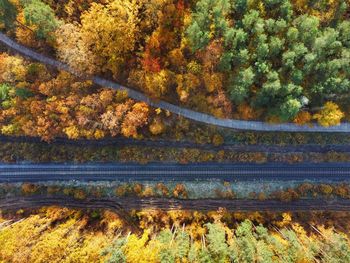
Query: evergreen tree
[
  {"x": 4, "y": 92},
  {"x": 217, "y": 246},
  {"x": 246, "y": 242},
  {"x": 289, "y": 109},
  {"x": 117, "y": 254},
  {"x": 8, "y": 13},
  {"x": 208, "y": 22},
  {"x": 182, "y": 243},
  {"x": 42, "y": 17},
  {"x": 239, "y": 86},
  {"x": 272, "y": 57}
]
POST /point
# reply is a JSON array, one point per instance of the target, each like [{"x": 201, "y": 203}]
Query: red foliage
[
  {"x": 180, "y": 5},
  {"x": 151, "y": 64}
]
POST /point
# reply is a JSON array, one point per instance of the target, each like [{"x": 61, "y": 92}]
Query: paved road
[
  {"x": 190, "y": 114},
  {"x": 172, "y": 172},
  {"x": 128, "y": 203}
]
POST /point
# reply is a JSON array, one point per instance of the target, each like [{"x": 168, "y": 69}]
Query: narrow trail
[
  {"x": 187, "y": 113},
  {"x": 128, "y": 203}
]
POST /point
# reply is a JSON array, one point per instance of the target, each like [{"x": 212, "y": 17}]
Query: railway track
[{"x": 160, "y": 172}]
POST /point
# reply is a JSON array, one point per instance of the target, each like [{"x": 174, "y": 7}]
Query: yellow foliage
[
  {"x": 148, "y": 192},
  {"x": 155, "y": 83},
  {"x": 110, "y": 32},
  {"x": 330, "y": 115},
  {"x": 53, "y": 235},
  {"x": 66, "y": 235},
  {"x": 157, "y": 127},
  {"x": 72, "y": 49},
  {"x": 218, "y": 140},
  {"x": 99, "y": 134},
  {"x": 213, "y": 81},
  {"x": 136, "y": 249},
  {"x": 28, "y": 230},
  {"x": 55, "y": 243},
  {"x": 72, "y": 132},
  {"x": 158, "y": 83},
  {"x": 299, "y": 229},
  {"x": 88, "y": 134},
  {"x": 12, "y": 69},
  {"x": 177, "y": 58},
  {"x": 286, "y": 220},
  {"x": 324, "y": 10},
  {"x": 186, "y": 83},
  {"x": 90, "y": 249},
  {"x": 158, "y": 111},
  {"x": 25, "y": 35},
  {"x": 10, "y": 129}
]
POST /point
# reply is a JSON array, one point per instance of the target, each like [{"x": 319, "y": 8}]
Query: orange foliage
[
  {"x": 302, "y": 118},
  {"x": 137, "y": 117},
  {"x": 245, "y": 111}
]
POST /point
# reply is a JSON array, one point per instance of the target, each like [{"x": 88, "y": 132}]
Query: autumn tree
[
  {"x": 156, "y": 84},
  {"x": 73, "y": 50},
  {"x": 112, "y": 120},
  {"x": 134, "y": 119},
  {"x": 110, "y": 33},
  {"x": 157, "y": 126},
  {"x": 303, "y": 117},
  {"x": 12, "y": 69},
  {"x": 326, "y": 11},
  {"x": 329, "y": 115}
]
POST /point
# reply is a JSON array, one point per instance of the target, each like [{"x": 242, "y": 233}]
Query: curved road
[
  {"x": 190, "y": 114},
  {"x": 128, "y": 203},
  {"x": 12, "y": 173}
]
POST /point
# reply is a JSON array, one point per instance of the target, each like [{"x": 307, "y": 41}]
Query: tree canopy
[
  {"x": 270, "y": 60},
  {"x": 8, "y": 14},
  {"x": 41, "y": 17}
]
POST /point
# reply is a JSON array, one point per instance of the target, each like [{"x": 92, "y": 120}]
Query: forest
[
  {"x": 271, "y": 60},
  {"x": 55, "y": 234}
]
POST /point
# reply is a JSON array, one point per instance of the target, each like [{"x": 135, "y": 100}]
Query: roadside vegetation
[
  {"x": 57, "y": 234},
  {"x": 275, "y": 61},
  {"x": 18, "y": 152},
  {"x": 206, "y": 189}
]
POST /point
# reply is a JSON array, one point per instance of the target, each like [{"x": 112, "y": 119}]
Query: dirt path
[{"x": 125, "y": 204}]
